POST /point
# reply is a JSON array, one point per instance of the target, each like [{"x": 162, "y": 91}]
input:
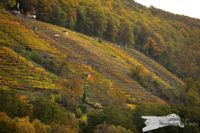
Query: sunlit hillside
[
  {"x": 56, "y": 80},
  {"x": 74, "y": 55}
]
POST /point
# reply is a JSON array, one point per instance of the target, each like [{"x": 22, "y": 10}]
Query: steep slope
[
  {"x": 156, "y": 68},
  {"x": 79, "y": 55},
  {"x": 170, "y": 39},
  {"x": 19, "y": 73}
]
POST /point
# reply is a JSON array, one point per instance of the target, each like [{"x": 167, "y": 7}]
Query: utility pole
[{"x": 18, "y": 6}]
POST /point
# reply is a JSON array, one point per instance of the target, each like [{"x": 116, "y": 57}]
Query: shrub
[
  {"x": 111, "y": 115},
  {"x": 23, "y": 125},
  {"x": 10, "y": 103},
  {"x": 71, "y": 95},
  {"x": 40, "y": 127},
  {"x": 46, "y": 60},
  {"x": 56, "y": 128},
  {"x": 104, "y": 128},
  {"x": 154, "y": 85},
  {"x": 6, "y": 124},
  {"x": 49, "y": 112},
  {"x": 7, "y": 3}
]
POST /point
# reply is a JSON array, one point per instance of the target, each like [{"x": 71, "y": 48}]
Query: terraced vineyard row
[
  {"x": 17, "y": 72},
  {"x": 79, "y": 54},
  {"x": 109, "y": 63}
]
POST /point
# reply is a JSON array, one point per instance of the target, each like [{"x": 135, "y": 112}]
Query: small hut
[{"x": 89, "y": 76}]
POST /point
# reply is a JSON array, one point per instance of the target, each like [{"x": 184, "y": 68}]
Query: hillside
[
  {"x": 79, "y": 53},
  {"x": 56, "y": 80},
  {"x": 172, "y": 40}
]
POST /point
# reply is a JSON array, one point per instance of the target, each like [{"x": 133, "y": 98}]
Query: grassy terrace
[
  {"x": 81, "y": 55},
  {"x": 19, "y": 73}
]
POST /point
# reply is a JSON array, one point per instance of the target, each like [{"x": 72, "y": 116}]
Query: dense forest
[{"x": 171, "y": 40}]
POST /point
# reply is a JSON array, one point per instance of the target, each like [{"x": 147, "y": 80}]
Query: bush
[
  {"x": 7, "y": 3},
  {"x": 104, "y": 128},
  {"x": 147, "y": 81},
  {"x": 40, "y": 127},
  {"x": 71, "y": 95},
  {"x": 6, "y": 124},
  {"x": 47, "y": 61},
  {"x": 23, "y": 125},
  {"x": 111, "y": 115},
  {"x": 56, "y": 128},
  {"x": 49, "y": 112},
  {"x": 12, "y": 105}
]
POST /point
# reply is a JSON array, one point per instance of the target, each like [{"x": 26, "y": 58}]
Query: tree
[
  {"x": 105, "y": 128},
  {"x": 71, "y": 95},
  {"x": 11, "y": 104},
  {"x": 23, "y": 125},
  {"x": 40, "y": 127},
  {"x": 6, "y": 124},
  {"x": 56, "y": 128},
  {"x": 44, "y": 9},
  {"x": 7, "y": 3},
  {"x": 49, "y": 112},
  {"x": 27, "y": 5},
  {"x": 82, "y": 18},
  {"x": 58, "y": 15},
  {"x": 126, "y": 36},
  {"x": 112, "y": 114},
  {"x": 112, "y": 28},
  {"x": 70, "y": 9},
  {"x": 151, "y": 48},
  {"x": 100, "y": 21},
  {"x": 142, "y": 31},
  {"x": 91, "y": 17}
]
